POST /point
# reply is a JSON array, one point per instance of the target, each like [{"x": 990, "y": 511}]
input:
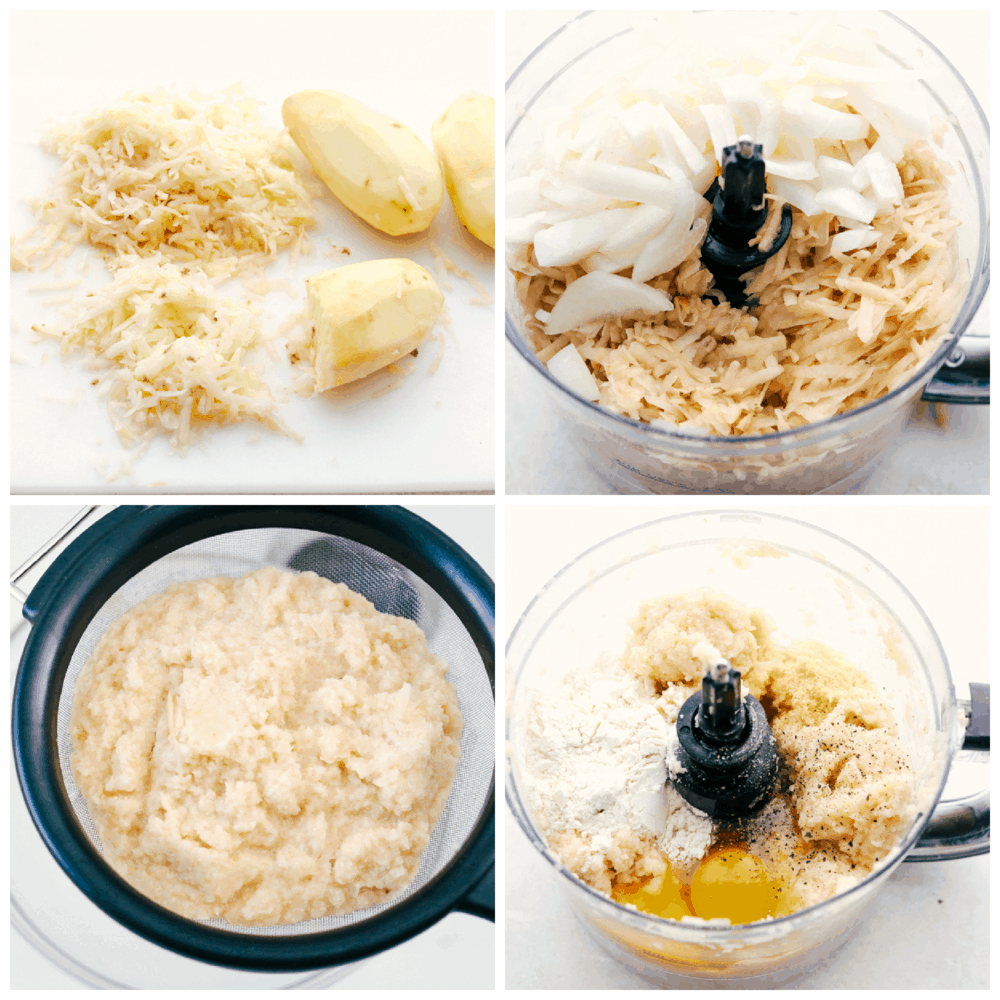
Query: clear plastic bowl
[
  {"x": 830, "y": 456},
  {"x": 814, "y": 585}
]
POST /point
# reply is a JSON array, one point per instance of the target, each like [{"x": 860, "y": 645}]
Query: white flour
[{"x": 596, "y": 764}]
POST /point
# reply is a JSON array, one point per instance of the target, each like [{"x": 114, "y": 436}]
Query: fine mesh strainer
[{"x": 401, "y": 563}]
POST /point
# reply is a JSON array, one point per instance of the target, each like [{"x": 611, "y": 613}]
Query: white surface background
[
  {"x": 456, "y": 953},
  {"x": 928, "y": 927},
  {"x": 433, "y": 432},
  {"x": 924, "y": 459}
]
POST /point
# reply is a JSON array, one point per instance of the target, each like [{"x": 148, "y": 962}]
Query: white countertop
[
  {"x": 928, "y": 926},
  {"x": 456, "y": 953},
  {"x": 924, "y": 459}
]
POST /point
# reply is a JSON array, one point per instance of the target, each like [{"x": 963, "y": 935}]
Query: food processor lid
[{"x": 119, "y": 548}]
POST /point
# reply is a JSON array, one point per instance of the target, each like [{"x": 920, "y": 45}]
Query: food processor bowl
[
  {"x": 814, "y": 586},
  {"x": 406, "y": 567},
  {"x": 830, "y": 456}
]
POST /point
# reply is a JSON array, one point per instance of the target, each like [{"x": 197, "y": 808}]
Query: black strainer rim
[{"x": 72, "y": 591}]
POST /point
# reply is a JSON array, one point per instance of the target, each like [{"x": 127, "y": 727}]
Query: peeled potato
[
  {"x": 365, "y": 316},
  {"x": 375, "y": 165},
  {"x": 463, "y": 141}
]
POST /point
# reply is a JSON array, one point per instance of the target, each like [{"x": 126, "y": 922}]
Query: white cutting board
[{"x": 432, "y": 432}]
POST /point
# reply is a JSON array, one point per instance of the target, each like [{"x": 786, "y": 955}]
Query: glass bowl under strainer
[{"x": 401, "y": 563}]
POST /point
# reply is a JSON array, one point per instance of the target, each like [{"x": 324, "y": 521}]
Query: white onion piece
[
  {"x": 743, "y": 90},
  {"x": 794, "y": 170},
  {"x": 638, "y": 121},
  {"x": 612, "y": 263},
  {"x": 600, "y": 296},
  {"x": 667, "y": 250},
  {"x": 721, "y": 127},
  {"x": 646, "y": 222},
  {"x": 570, "y": 369},
  {"x": 887, "y": 186},
  {"x": 521, "y": 195},
  {"x": 801, "y": 194},
  {"x": 627, "y": 183},
  {"x": 523, "y": 230},
  {"x": 668, "y": 168},
  {"x": 573, "y": 196},
  {"x": 816, "y": 121},
  {"x": 836, "y": 173},
  {"x": 837, "y": 70},
  {"x": 669, "y": 132},
  {"x": 875, "y": 113},
  {"x": 854, "y": 239},
  {"x": 846, "y": 201},
  {"x": 570, "y": 241}
]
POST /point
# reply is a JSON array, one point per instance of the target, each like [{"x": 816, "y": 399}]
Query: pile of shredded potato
[
  {"x": 195, "y": 178},
  {"x": 833, "y": 330},
  {"x": 169, "y": 351}
]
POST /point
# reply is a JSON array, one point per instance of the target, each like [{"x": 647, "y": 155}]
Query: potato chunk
[
  {"x": 463, "y": 141},
  {"x": 375, "y": 165},
  {"x": 365, "y": 316}
]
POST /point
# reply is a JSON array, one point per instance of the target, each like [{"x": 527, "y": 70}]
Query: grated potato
[
  {"x": 193, "y": 177},
  {"x": 170, "y": 352}
]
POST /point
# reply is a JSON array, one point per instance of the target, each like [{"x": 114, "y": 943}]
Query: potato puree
[
  {"x": 601, "y": 748},
  {"x": 266, "y": 750}
]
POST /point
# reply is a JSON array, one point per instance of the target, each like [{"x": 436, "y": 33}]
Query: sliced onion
[
  {"x": 721, "y": 127},
  {"x": 798, "y": 193},
  {"x": 572, "y": 371},
  {"x": 627, "y": 183},
  {"x": 521, "y": 195},
  {"x": 568, "y": 242},
  {"x": 836, "y": 173},
  {"x": 523, "y": 230},
  {"x": 645, "y": 222},
  {"x": 600, "y": 296},
  {"x": 854, "y": 239},
  {"x": 846, "y": 201},
  {"x": 673, "y": 245},
  {"x": 666, "y": 128},
  {"x": 741, "y": 90},
  {"x": 794, "y": 170}
]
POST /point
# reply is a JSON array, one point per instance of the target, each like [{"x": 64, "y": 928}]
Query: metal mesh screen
[{"x": 393, "y": 589}]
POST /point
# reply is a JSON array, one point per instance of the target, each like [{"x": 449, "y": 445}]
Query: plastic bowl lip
[
  {"x": 979, "y": 284},
  {"x": 522, "y": 813},
  {"x": 87, "y": 567}
]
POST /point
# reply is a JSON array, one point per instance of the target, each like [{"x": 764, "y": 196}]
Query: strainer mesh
[{"x": 391, "y": 588}]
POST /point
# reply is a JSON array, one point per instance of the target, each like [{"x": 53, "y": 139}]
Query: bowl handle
[
  {"x": 965, "y": 375},
  {"x": 960, "y": 828}
]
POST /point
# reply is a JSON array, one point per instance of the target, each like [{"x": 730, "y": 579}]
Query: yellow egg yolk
[
  {"x": 661, "y": 896},
  {"x": 735, "y": 884}
]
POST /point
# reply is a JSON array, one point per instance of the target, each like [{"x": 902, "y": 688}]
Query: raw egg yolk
[
  {"x": 734, "y": 884},
  {"x": 660, "y": 896}
]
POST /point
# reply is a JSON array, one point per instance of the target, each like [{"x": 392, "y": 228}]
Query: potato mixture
[
  {"x": 601, "y": 749},
  {"x": 266, "y": 750}
]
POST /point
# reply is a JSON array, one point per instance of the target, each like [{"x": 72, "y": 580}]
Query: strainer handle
[
  {"x": 960, "y": 828},
  {"x": 480, "y": 900}
]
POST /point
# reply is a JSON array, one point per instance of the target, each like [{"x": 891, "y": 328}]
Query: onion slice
[
  {"x": 600, "y": 295},
  {"x": 570, "y": 369}
]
